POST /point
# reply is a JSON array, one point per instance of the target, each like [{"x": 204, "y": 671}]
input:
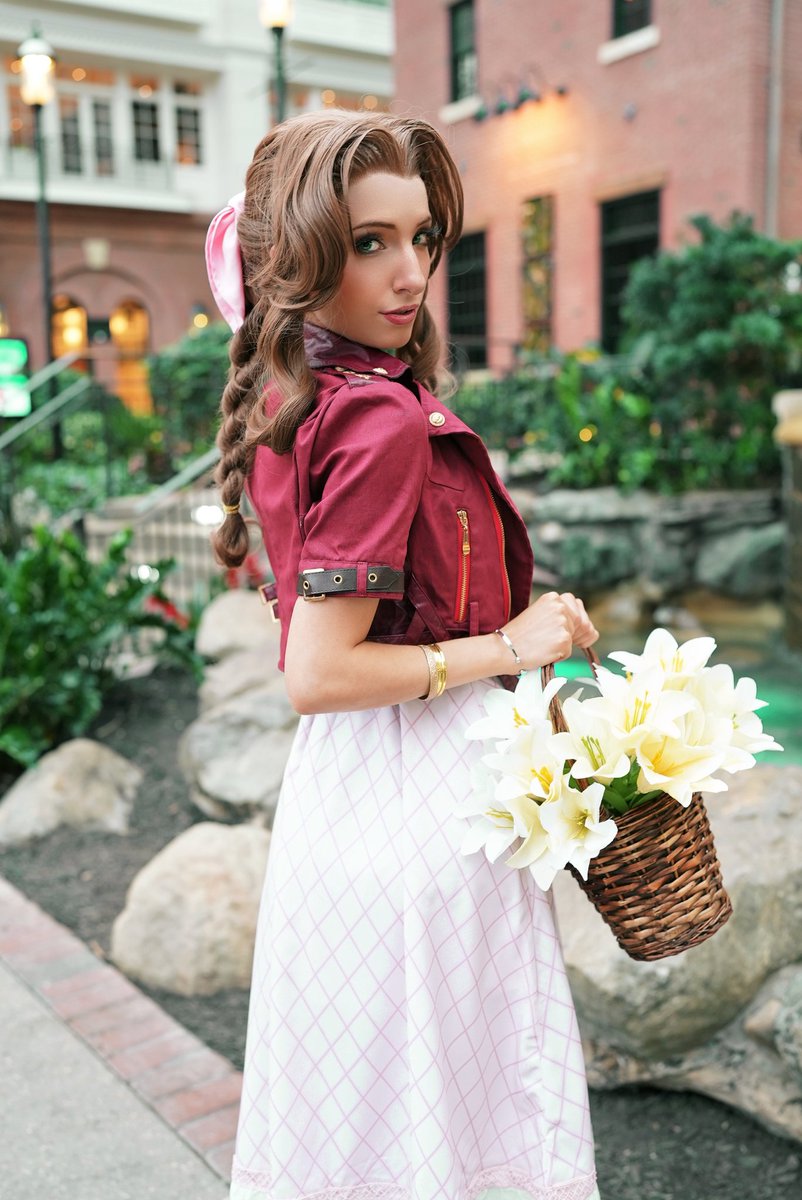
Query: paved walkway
[{"x": 103, "y": 1096}]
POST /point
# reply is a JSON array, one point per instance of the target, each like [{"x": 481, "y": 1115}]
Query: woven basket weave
[{"x": 658, "y": 884}]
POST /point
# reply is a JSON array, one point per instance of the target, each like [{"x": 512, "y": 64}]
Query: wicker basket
[{"x": 658, "y": 884}]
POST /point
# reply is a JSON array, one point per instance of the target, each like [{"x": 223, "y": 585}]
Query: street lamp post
[
  {"x": 38, "y": 65},
  {"x": 276, "y": 16}
]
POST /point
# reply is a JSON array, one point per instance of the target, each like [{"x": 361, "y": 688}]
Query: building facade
[
  {"x": 159, "y": 105},
  {"x": 587, "y": 133}
]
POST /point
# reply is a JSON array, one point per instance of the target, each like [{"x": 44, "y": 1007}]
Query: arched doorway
[
  {"x": 70, "y": 330},
  {"x": 129, "y": 326}
]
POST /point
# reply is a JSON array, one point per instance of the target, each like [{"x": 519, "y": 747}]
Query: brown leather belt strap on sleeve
[{"x": 361, "y": 580}]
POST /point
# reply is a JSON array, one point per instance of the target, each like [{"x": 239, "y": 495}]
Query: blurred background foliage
[{"x": 712, "y": 332}]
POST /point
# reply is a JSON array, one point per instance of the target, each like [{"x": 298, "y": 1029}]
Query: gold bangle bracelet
[{"x": 438, "y": 671}]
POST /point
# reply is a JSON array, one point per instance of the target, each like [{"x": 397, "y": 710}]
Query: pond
[{"x": 749, "y": 637}]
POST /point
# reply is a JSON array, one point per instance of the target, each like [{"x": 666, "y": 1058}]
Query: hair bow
[{"x": 224, "y": 262}]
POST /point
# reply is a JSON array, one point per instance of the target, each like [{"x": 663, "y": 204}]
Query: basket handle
[{"x": 555, "y": 708}]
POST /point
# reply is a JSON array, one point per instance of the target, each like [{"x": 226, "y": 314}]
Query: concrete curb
[{"x": 194, "y": 1090}]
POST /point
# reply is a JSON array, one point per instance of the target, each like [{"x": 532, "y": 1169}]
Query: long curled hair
[{"x": 294, "y": 235}]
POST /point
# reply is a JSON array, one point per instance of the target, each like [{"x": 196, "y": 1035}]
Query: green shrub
[
  {"x": 712, "y": 331},
  {"x": 186, "y": 382},
  {"x": 65, "y": 621}
]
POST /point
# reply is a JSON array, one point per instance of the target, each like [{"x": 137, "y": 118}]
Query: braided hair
[{"x": 294, "y": 234}]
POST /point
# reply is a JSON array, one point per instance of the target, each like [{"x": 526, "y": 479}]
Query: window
[
  {"x": 538, "y": 267},
  {"x": 467, "y": 316},
  {"x": 463, "y": 50},
  {"x": 104, "y": 139},
  {"x": 20, "y": 119},
  {"x": 629, "y": 15},
  {"x": 188, "y": 135},
  {"x": 71, "y": 163},
  {"x": 630, "y": 230},
  {"x": 146, "y": 131}
]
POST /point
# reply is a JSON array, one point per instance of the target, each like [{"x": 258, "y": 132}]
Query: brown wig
[{"x": 294, "y": 235}]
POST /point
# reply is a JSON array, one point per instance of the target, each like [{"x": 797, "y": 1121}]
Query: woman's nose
[{"x": 410, "y": 276}]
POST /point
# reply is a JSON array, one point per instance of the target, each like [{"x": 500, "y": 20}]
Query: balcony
[{"x": 76, "y": 175}]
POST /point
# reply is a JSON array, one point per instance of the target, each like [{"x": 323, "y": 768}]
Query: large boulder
[
  {"x": 744, "y": 562},
  {"x": 237, "y": 673},
  {"x": 238, "y": 620},
  {"x": 233, "y": 756},
  {"x": 189, "y": 921},
  {"x": 81, "y": 783},
  {"x": 724, "y": 1017}
]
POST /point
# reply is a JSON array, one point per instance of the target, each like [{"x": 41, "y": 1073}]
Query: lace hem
[{"x": 256, "y": 1185}]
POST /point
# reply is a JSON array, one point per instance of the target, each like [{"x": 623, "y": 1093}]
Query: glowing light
[
  {"x": 145, "y": 573},
  {"x": 370, "y": 102},
  {"x": 207, "y": 514},
  {"x": 586, "y": 434},
  {"x": 79, "y": 74},
  {"x": 200, "y": 320},
  {"x": 328, "y": 96}
]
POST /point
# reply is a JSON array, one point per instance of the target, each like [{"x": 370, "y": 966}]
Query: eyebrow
[{"x": 427, "y": 220}]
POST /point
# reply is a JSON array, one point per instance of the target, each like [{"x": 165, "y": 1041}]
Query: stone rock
[
  {"x": 237, "y": 620},
  {"x": 237, "y": 673},
  {"x": 189, "y": 920},
  {"x": 233, "y": 756},
  {"x": 81, "y": 783},
  {"x": 746, "y": 562},
  {"x": 594, "y": 505},
  {"x": 689, "y": 1020}
]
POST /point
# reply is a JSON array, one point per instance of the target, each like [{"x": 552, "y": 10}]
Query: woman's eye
[
  {"x": 426, "y": 237},
  {"x": 367, "y": 244}
]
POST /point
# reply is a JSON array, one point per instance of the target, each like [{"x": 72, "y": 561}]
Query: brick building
[
  {"x": 588, "y": 132},
  {"x": 158, "y": 106}
]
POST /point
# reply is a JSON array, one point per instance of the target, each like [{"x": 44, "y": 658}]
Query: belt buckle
[{"x": 270, "y": 600}]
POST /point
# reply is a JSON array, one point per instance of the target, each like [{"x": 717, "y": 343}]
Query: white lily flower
[
  {"x": 529, "y": 827},
  {"x": 677, "y": 662},
  {"x": 531, "y": 766},
  {"x": 717, "y": 691},
  {"x": 638, "y": 705},
  {"x": 492, "y": 833},
  {"x": 590, "y": 742},
  {"x": 682, "y": 765},
  {"x": 509, "y": 712},
  {"x": 576, "y": 831}
]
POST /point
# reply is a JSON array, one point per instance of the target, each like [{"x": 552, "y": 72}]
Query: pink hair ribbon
[{"x": 224, "y": 262}]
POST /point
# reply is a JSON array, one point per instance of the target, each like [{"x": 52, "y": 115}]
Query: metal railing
[
  {"x": 174, "y": 521},
  {"x": 81, "y": 165},
  {"x": 18, "y": 438}
]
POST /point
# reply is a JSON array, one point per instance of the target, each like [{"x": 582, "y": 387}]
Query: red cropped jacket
[{"x": 386, "y": 493}]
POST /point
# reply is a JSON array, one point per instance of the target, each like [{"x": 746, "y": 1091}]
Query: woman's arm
[{"x": 329, "y": 667}]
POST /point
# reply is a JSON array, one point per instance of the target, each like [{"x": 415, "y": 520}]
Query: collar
[{"x": 327, "y": 349}]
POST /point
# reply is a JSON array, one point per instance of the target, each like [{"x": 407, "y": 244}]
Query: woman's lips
[{"x": 401, "y": 316}]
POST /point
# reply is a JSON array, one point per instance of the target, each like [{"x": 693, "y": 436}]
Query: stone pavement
[{"x": 103, "y": 1096}]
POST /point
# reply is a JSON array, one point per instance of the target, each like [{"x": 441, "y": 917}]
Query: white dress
[{"x": 411, "y": 1033}]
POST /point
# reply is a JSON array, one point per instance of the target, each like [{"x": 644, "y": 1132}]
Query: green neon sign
[{"x": 15, "y": 398}]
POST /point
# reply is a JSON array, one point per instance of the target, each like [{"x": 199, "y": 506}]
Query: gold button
[
  {"x": 437, "y": 419},
  {"x": 380, "y": 371}
]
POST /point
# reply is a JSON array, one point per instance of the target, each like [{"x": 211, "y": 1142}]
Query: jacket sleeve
[{"x": 367, "y": 468}]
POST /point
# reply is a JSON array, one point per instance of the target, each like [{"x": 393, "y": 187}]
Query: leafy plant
[
  {"x": 186, "y": 381},
  {"x": 66, "y": 620},
  {"x": 711, "y": 330}
]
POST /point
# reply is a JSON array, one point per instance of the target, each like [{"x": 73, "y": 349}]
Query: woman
[{"x": 411, "y": 1033}]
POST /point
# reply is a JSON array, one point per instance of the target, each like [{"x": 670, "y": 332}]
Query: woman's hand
[{"x": 547, "y": 631}]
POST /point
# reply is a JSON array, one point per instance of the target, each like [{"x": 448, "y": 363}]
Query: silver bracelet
[{"x": 509, "y": 646}]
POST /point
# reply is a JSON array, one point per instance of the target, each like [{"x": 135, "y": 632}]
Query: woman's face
[{"x": 387, "y": 268}]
